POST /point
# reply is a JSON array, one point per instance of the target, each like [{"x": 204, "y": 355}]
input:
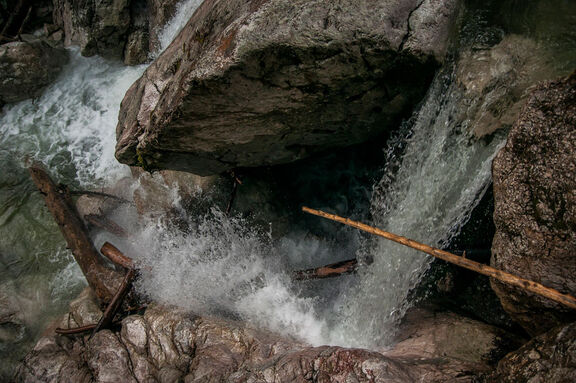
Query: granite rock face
[
  {"x": 169, "y": 345},
  {"x": 267, "y": 82},
  {"x": 27, "y": 67},
  {"x": 535, "y": 205},
  {"x": 550, "y": 357}
]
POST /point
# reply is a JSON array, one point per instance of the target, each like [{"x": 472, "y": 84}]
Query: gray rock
[
  {"x": 535, "y": 205},
  {"x": 550, "y": 357},
  {"x": 268, "y": 82},
  {"x": 168, "y": 345},
  {"x": 98, "y": 27},
  {"x": 137, "y": 41},
  {"x": 494, "y": 81},
  {"x": 27, "y": 67}
]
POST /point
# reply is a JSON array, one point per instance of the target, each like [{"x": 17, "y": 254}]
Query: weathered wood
[
  {"x": 105, "y": 223},
  {"x": 99, "y": 194},
  {"x": 116, "y": 256},
  {"x": 100, "y": 278},
  {"x": 108, "y": 315},
  {"x": 511, "y": 279},
  {"x": 236, "y": 182},
  {"x": 328, "y": 271},
  {"x": 75, "y": 330}
]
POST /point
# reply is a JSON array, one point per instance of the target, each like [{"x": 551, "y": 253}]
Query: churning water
[{"x": 434, "y": 174}]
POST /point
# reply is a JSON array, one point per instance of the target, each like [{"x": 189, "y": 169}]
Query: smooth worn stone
[
  {"x": 535, "y": 206},
  {"x": 550, "y": 357},
  {"x": 168, "y": 344},
  {"x": 27, "y": 67},
  {"x": 258, "y": 83}
]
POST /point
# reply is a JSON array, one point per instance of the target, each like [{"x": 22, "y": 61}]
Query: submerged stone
[{"x": 258, "y": 83}]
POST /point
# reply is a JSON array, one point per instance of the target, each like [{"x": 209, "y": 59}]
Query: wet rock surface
[
  {"x": 267, "y": 82},
  {"x": 550, "y": 357},
  {"x": 99, "y": 28},
  {"x": 494, "y": 81},
  {"x": 27, "y": 67},
  {"x": 167, "y": 345},
  {"x": 535, "y": 205}
]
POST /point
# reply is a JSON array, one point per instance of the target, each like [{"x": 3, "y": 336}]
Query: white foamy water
[
  {"x": 224, "y": 267},
  {"x": 426, "y": 194},
  {"x": 74, "y": 121}
]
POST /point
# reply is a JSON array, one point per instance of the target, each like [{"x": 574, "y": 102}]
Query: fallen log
[
  {"x": 116, "y": 256},
  {"x": 329, "y": 271},
  {"x": 502, "y": 276},
  {"x": 107, "y": 224},
  {"x": 99, "y": 194},
  {"x": 75, "y": 330},
  {"x": 100, "y": 278}
]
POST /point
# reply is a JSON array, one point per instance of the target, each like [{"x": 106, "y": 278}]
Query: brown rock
[
  {"x": 535, "y": 205},
  {"x": 27, "y": 67},
  {"x": 167, "y": 345},
  {"x": 267, "y": 82},
  {"x": 550, "y": 357}
]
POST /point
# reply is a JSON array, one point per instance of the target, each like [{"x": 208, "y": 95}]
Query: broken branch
[
  {"x": 116, "y": 256},
  {"x": 116, "y": 301},
  {"x": 489, "y": 271},
  {"x": 328, "y": 271},
  {"x": 106, "y": 224}
]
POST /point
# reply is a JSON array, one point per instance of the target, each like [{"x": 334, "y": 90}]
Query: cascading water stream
[{"x": 435, "y": 172}]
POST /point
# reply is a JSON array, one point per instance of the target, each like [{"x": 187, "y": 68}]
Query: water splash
[
  {"x": 71, "y": 127},
  {"x": 426, "y": 194},
  {"x": 184, "y": 11}
]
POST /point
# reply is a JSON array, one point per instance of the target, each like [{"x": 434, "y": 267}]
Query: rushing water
[{"x": 434, "y": 174}]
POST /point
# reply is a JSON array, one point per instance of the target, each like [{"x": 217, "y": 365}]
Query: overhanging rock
[{"x": 254, "y": 83}]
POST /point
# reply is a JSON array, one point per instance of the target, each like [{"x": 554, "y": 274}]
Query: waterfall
[{"x": 435, "y": 172}]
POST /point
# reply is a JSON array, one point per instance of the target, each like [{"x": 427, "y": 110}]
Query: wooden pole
[
  {"x": 502, "y": 276},
  {"x": 101, "y": 279}
]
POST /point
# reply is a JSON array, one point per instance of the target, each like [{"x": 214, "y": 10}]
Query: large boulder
[
  {"x": 535, "y": 205},
  {"x": 252, "y": 83},
  {"x": 550, "y": 357},
  {"x": 27, "y": 67},
  {"x": 170, "y": 345}
]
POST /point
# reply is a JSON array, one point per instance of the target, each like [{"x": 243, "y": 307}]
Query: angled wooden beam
[{"x": 502, "y": 276}]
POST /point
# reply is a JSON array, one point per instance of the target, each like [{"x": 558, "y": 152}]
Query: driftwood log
[
  {"x": 107, "y": 224},
  {"x": 329, "y": 271},
  {"x": 103, "y": 280},
  {"x": 502, "y": 276}
]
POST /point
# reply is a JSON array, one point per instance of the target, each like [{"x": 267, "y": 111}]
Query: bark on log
[
  {"x": 116, "y": 256},
  {"x": 107, "y": 224},
  {"x": 101, "y": 279},
  {"x": 328, "y": 271},
  {"x": 492, "y": 272}
]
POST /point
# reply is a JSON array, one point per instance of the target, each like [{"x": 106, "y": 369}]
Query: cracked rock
[{"x": 268, "y": 82}]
